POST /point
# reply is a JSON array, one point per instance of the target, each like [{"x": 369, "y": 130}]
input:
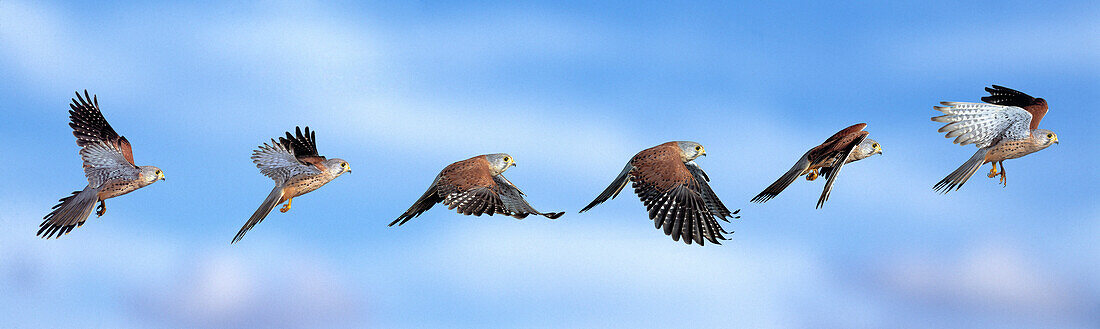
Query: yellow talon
[
  {"x": 993, "y": 172},
  {"x": 286, "y": 207},
  {"x": 812, "y": 175}
]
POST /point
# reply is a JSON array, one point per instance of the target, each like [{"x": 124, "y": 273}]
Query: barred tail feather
[
  {"x": 781, "y": 184},
  {"x": 957, "y": 178},
  {"x": 273, "y": 199},
  {"x": 70, "y": 213}
]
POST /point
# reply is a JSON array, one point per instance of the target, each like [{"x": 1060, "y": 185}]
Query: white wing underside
[
  {"x": 983, "y": 124},
  {"x": 104, "y": 162},
  {"x": 278, "y": 163}
]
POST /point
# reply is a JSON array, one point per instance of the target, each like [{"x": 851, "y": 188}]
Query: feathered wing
[
  {"x": 612, "y": 190},
  {"x": 983, "y": 124},
  {"x": 842, "y": 158},
  {"x": 1000, "y": 95},
  {"x": 469, "y": 188},
  {"x": 90, "y": 127},
  {"x": 278, "y": 162},
  {"x": 103, "y": 162},
  {"x": 304, "y": 147},
  {"x": 512, "y": 202},
  {"x": 677, "y": 198}
]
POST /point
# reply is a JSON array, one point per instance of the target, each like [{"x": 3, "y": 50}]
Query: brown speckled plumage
[
  {"x": 475, "y": 186},
  {"x": 675, "y": 191}
]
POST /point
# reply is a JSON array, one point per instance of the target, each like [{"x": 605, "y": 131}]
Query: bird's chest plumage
[
  {"x": 303, "y": 184},
  {"x": 116, "y": 187},
  {"x": 1011, "y": 150}
]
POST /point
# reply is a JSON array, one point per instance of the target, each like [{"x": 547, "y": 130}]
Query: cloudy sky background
[{"x": 572, "y": 90}]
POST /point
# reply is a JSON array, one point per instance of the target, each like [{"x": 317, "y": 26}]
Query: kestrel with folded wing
[
  {"x": 846, "y": 146},
  {"x": 676, "y": 192},
  {"x": 293, "y": 163},
  {"x": 1005, "y": 128},
  {"x": 108, "y": 164},
  {"x": 475, "y": 186}
]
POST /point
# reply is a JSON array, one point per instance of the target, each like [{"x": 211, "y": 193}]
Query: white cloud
[
  {"x": 47, "y": 47},
  {"x": 166, "y": 280},
  {"x": 995, "y": 277}
]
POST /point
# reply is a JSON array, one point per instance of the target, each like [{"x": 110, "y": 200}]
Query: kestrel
[
  {"x": 475, "y": 186},
  {"x": 108, "y": 164},
  {"x": 1006, "y": 128},
  {"x": 294, "y": 165},
  {"x": 846, "y": 146},
  {"x": 675, "y": 191}
]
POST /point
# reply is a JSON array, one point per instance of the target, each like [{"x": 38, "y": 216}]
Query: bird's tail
[
  {"x": 955, "y": 180},
  {"x": 71, "y": 212},
  {"x": 273, "y": 199},
  {"x": 780, "y": 184}
]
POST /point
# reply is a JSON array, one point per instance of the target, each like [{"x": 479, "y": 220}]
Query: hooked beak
[
  {"x": 161, "y": 176},
  {"x": 513, "y": 164},
  {"x": 1055, "y": 139}
]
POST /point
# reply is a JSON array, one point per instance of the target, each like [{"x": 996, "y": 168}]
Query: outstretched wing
[
  {"x": 512, "y": 202},
  {"x": 91, "y": 128},
  {"x": 469, "y": 187},
  {"x": 678, "y": 199},
  {"x": 983, "y": 124},
  {"x": 841, "y": 159},
  {"x": 1010, "y": 97},
  {"x": 277, "y": 161},
  {"x": 304, "y": 146}
]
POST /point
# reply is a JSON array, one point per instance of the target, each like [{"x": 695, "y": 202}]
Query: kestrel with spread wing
[
  {"x": 846, "y": 146},
  {"x": 293, "y": 163},
  {"x": 676, "y": 192},
  {"x": 475, "y": 186},
  {"x": 108, "y": 164},
  {"x": 1006, "y": 128}
]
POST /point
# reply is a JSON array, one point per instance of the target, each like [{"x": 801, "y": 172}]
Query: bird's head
[
  {"x": 866, "y": 149},
  {"x": 500, "y": 162},
  {"x": 151, "y": 174},
  {"x": 691, "y": 150},
  {"x": 1044, "y": 137},
  {"x": 338, "y": 165}
]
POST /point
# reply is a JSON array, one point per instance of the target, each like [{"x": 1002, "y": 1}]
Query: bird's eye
[
  {"x": 697, "y": 148},
  {"x": 1050, "y": 135},
  {"x": 874, "y": 145},
  {"x": 158, "y": 172},
  {"x": 506, "y": 159}
]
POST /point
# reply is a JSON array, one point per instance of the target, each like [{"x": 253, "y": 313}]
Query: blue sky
[{"x": 571, "y": 90}]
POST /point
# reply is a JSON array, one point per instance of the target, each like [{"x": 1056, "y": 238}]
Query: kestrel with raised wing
[
  {"x": 846, "y": 146},
  {"x": 676, "y": 192},
  {"x": 1005, "y": 128},
  {"x": 293, "y": 163},
  {"x": 108, "y": 164},
  {"x": 475, "y": 186}
]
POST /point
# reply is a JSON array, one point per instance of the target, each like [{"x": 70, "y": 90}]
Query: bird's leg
[
  {"x": 993, "y": 172},
  {"x": 287, "y": 206},
  {"x": 1004, "y": 180},
  {"x": 99, "y": 211},
  {"x": 812, "y": 175}
]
